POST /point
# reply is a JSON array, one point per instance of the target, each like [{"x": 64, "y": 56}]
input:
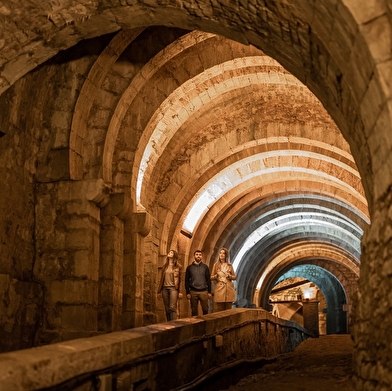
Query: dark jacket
[{"x": 197, "y": 278}]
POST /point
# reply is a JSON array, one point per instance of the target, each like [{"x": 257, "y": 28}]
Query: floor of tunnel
[{"x": 322, "y": 364}]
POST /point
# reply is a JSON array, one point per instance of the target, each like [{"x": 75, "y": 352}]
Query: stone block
[
  {"x": 79, "y": 239},
  {"x": 79, "y": 318},
  {"x": 73, "y": 292},
  {"x": 85, "y": 264}
]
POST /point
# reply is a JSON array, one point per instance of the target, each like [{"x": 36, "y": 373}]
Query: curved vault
[
  {"x": 351, "y": 79},
  {"x": 232, "y": 148},
  {"x": 332, "y": 290},
  {"x": 210, "y": 152},
  {"x": 215, "y": 166}
]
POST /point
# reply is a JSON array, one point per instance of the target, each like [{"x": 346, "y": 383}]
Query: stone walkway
[{"x": 318, "y": 364}]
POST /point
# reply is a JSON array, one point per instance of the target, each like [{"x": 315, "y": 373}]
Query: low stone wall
[{"x": 165, "y": 356}]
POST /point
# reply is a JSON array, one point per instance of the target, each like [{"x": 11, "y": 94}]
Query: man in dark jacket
[{"x": 198, "y": 284}]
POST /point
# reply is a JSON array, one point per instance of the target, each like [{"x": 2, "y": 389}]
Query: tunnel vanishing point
[{"x": 129, "y": 128}]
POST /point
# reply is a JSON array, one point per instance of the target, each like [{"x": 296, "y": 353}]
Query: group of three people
[{"x": 198, "y": 285}]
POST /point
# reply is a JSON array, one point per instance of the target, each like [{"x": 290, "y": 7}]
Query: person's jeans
[
  {"x": 170, "y": 297},
  {"x": 197, "y": 297}
]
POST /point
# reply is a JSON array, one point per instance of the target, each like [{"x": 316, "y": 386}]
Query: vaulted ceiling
[
  {"x": 223, "y": 147},
  {"x": 217, "y": 141}
]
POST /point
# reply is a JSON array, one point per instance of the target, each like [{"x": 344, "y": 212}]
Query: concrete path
[{"x": 318, "y": 364}]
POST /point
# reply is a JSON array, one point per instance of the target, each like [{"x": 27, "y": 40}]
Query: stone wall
[
  {"x": 371, "y": 326},
  {"x": 156, "y": 357},
  {"x": 21, "y": 294}
]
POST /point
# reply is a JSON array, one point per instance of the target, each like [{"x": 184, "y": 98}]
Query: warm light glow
[
  {"x": 286, "y": 257},
  {"x": 209, "y": 194},
  {"x": 308, "y": 293},
  {"x": 255, "y": 166},
  {"x": 291, "y": 220},
  {"x": 196, "y": 93}
]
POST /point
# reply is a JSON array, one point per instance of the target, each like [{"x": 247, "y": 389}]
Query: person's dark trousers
[{"x": 197, "y": 297}]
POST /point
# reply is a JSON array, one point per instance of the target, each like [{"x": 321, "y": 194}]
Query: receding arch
[
  {"x": 85, "y": 100},
  {"x": 332, "y": 290},
  {"x": 194, "y": 94},
  {"x": 334, "y": 93},
  {"x": 351, "y": 80}
]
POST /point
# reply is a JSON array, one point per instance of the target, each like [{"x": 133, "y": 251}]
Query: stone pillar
[
  {"x": 150, "y": 273},
  {"x": 135, "y": 230},
  {"x": 67, "y": 257},
  {"x": 110, "y": 293},
  {"x": 372, "y": 324},
  {"x": 311, "y": 316}
]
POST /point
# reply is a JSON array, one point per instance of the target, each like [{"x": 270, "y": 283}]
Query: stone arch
[
  {"x": 355, "y": 96},
  {"x": 212, "y": 223},
  {"x": 321, "y": 56},
  {"x": 85, "y": 101},
  {"x": 292, "y": 201},
  {"x": 262, "y": 258},
  {"x": 323, "y": 254},
  {"x": 178, "y": 199},
  {"x": 332, "y": 289}
]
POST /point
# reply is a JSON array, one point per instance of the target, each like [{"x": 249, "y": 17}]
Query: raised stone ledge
[{"x": 148, "y": 353}]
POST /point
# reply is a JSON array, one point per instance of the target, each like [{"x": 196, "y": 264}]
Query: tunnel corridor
[{"x": 128, "y": 129}]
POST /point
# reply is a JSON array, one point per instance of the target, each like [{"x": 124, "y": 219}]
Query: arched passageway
[
  {"x": 321, "y": 282},
  {"x": 129, "y": 130}
]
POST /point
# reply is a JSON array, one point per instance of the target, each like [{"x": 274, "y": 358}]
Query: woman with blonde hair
[
  {"x": 170, "y": 284},
  {"x": 223, "y": 274}
]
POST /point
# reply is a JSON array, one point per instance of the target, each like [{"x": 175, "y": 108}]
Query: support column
[
  {"x": 67, "y": 257},
  {"x": 311, "y": 316},
  {"x": 135, "y": 230},
  {"x": 111, "y": 264}
]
